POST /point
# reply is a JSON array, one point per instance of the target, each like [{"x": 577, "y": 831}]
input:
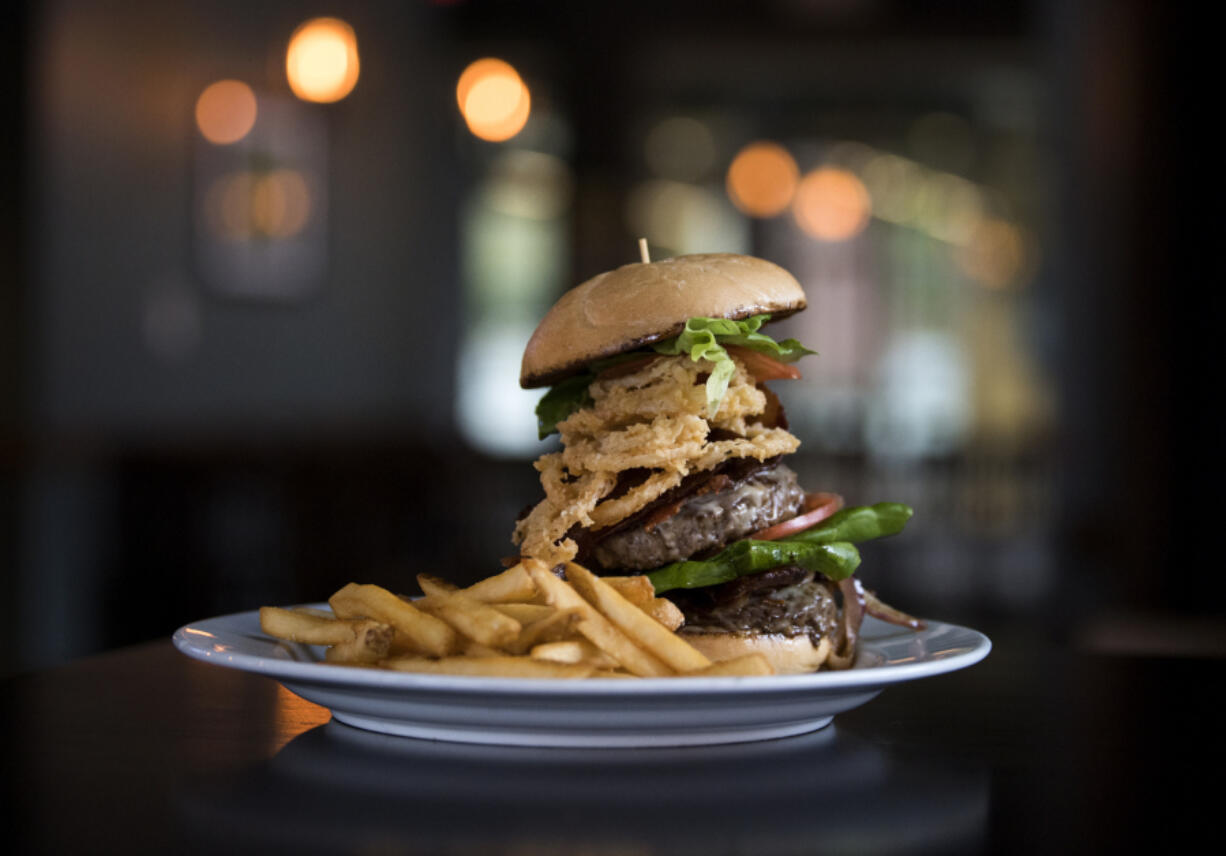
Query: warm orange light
[
  {"x": 225, "y": 111},
  {"x": 292, "y": 716},
  {"x": 478, "y": 70},
  {"x": 322, "y": 60},
  {"x": 831, "y": 204},
  {"x": 762, "y": 179},
  {"x": 280, "y": 204},
  {"x": 248, "y": 205},
  {"x": 493, "y": 99}
]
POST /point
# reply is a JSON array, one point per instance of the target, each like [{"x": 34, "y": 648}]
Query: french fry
[
  {"x": 369, "y": 644},
  {"x": 433, "y": 586},
  {"x": 746, "y": 665},
  {"x": 525, "y": 613},
  {"x": 524, "y": 622},
  {"x": 559, "y": 625},
  {"x": 304, "y": 627},
  {"x": 512, "y": 667},
  {"x": 511, "y": 586},
  {"x": 470, "y": 648},
  {"x": 648, "y": 633},
  {"x": 665, "y": 612},
  {"x": 573, "y": 651},
  {"x": 598, "y": 629},
  {"x": 637, "y": 589},
  {"x": 312, "y": 610},
  {"x": 416, "y": 630},
  {"x": 475, "y": 620}
]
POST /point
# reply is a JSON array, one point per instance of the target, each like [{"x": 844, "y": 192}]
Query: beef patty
[
  {"x": 788, "y": 600},
  {"x": 704, "y": 522}
]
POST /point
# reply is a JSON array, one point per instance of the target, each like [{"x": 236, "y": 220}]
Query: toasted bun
[
  {"x": 638, "y": 304},
  {"x": 788, "y": 654}
]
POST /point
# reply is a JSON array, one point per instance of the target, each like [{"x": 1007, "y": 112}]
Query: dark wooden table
[{"x": 1038, "y": 749}]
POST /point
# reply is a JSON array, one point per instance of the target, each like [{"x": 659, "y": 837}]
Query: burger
[{"x": 672, "y": 460}]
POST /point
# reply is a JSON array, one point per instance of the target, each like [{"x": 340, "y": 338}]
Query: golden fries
[
  {"x": 473, "y": 619},
  {"x": 511, "y": 586},
  {"x": 414, "y": 629},
  {"x": 650, "y": 635},
  {"x": 524, "y": 622},
  {"x": 370, "y": 643},
  {"x": 304, "y": 627},
  {"x": 666, "y": 612},
  {"x": 558, "y": 625},
  {"x": 573, "y": 651},
  {"x": 525, "y": 613},
  {"x": 638, "y": 589},
  {"x": 595, "y": 626}
]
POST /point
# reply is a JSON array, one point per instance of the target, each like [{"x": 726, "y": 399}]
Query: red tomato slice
[
  {"x": 763, "y": 367},
  {"x": 818, "y": 506}
]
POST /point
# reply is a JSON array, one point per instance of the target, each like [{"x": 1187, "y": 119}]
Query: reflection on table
[{"x": 336, "y": 789}]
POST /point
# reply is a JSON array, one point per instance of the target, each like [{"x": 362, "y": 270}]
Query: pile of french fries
[{"x": 524, "y": 622}]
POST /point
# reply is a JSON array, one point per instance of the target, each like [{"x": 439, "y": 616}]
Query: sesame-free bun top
[{"x": 639, "y": 304}]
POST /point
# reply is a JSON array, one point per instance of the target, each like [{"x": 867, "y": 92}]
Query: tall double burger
[{"x": 672, "y": 460}]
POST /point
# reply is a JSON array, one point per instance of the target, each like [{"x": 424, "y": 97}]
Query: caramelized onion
[{"x": 843, "y": 654}]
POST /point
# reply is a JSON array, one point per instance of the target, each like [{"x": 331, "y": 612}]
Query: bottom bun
[{"x": 787, "y": 654}]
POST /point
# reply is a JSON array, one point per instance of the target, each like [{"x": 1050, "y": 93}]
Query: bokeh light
[
  {"x": 679, "y": 217},
  {"x": 246, "y": 205},
  {"x": 762, "y": 179},
  {"x": 893, "y": 184},
  {"x": 831, "y": 204},
  {"x": 322, "y": 60},
  {"x": 226, "y": 111},
  {"x": 996, "y": 254},
  {"x": 493, "y": 99},
  {"x": 681, "y": 148},
  {"x": 957, "y": 208},
  {"x": 532, "y": 185}
]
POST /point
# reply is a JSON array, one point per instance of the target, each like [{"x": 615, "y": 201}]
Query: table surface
[{"x": 1036, "y": 749}]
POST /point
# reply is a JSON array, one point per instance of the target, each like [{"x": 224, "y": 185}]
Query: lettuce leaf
[
  {"x": 837, "y": 560},
  {"x": 563, "y": 399},
  {"x": 827, "y": 547},
  {"x": 702, "y": 339},
  {"x": 705, "y": 338}
]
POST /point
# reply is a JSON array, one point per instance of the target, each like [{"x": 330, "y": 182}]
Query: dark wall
[
  {"x": 1139, "y": 452},
  {"x": 112, "y": 196},
  {"x": 107, "y": 432}
]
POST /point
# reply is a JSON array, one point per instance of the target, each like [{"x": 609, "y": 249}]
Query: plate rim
[{"x": 188, "y": 640}]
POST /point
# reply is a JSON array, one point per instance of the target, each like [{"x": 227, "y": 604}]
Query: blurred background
[{"x": 270, "y": 268}]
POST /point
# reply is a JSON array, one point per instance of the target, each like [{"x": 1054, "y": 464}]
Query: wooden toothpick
[{"x": 643, "y": 251}]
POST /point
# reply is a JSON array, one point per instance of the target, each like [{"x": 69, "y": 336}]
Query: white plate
[{"x": 592, "y": 713}]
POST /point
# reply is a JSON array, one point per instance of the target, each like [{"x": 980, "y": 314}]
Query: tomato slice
[
  {"x": 763, "y": 367},
  {"x": 818, "y": 506}
]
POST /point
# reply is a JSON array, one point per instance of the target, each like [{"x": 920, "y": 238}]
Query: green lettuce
[
  {"x": 705, "y": 338},
  {"x": 827, "y": 547},
  {"x": 702, "y": 339},
  {"x": 562, "y": 399},
  {"x": 837, "y": 560}
]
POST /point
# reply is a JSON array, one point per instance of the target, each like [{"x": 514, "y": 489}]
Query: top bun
[{"x": 639, "y": 304}]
